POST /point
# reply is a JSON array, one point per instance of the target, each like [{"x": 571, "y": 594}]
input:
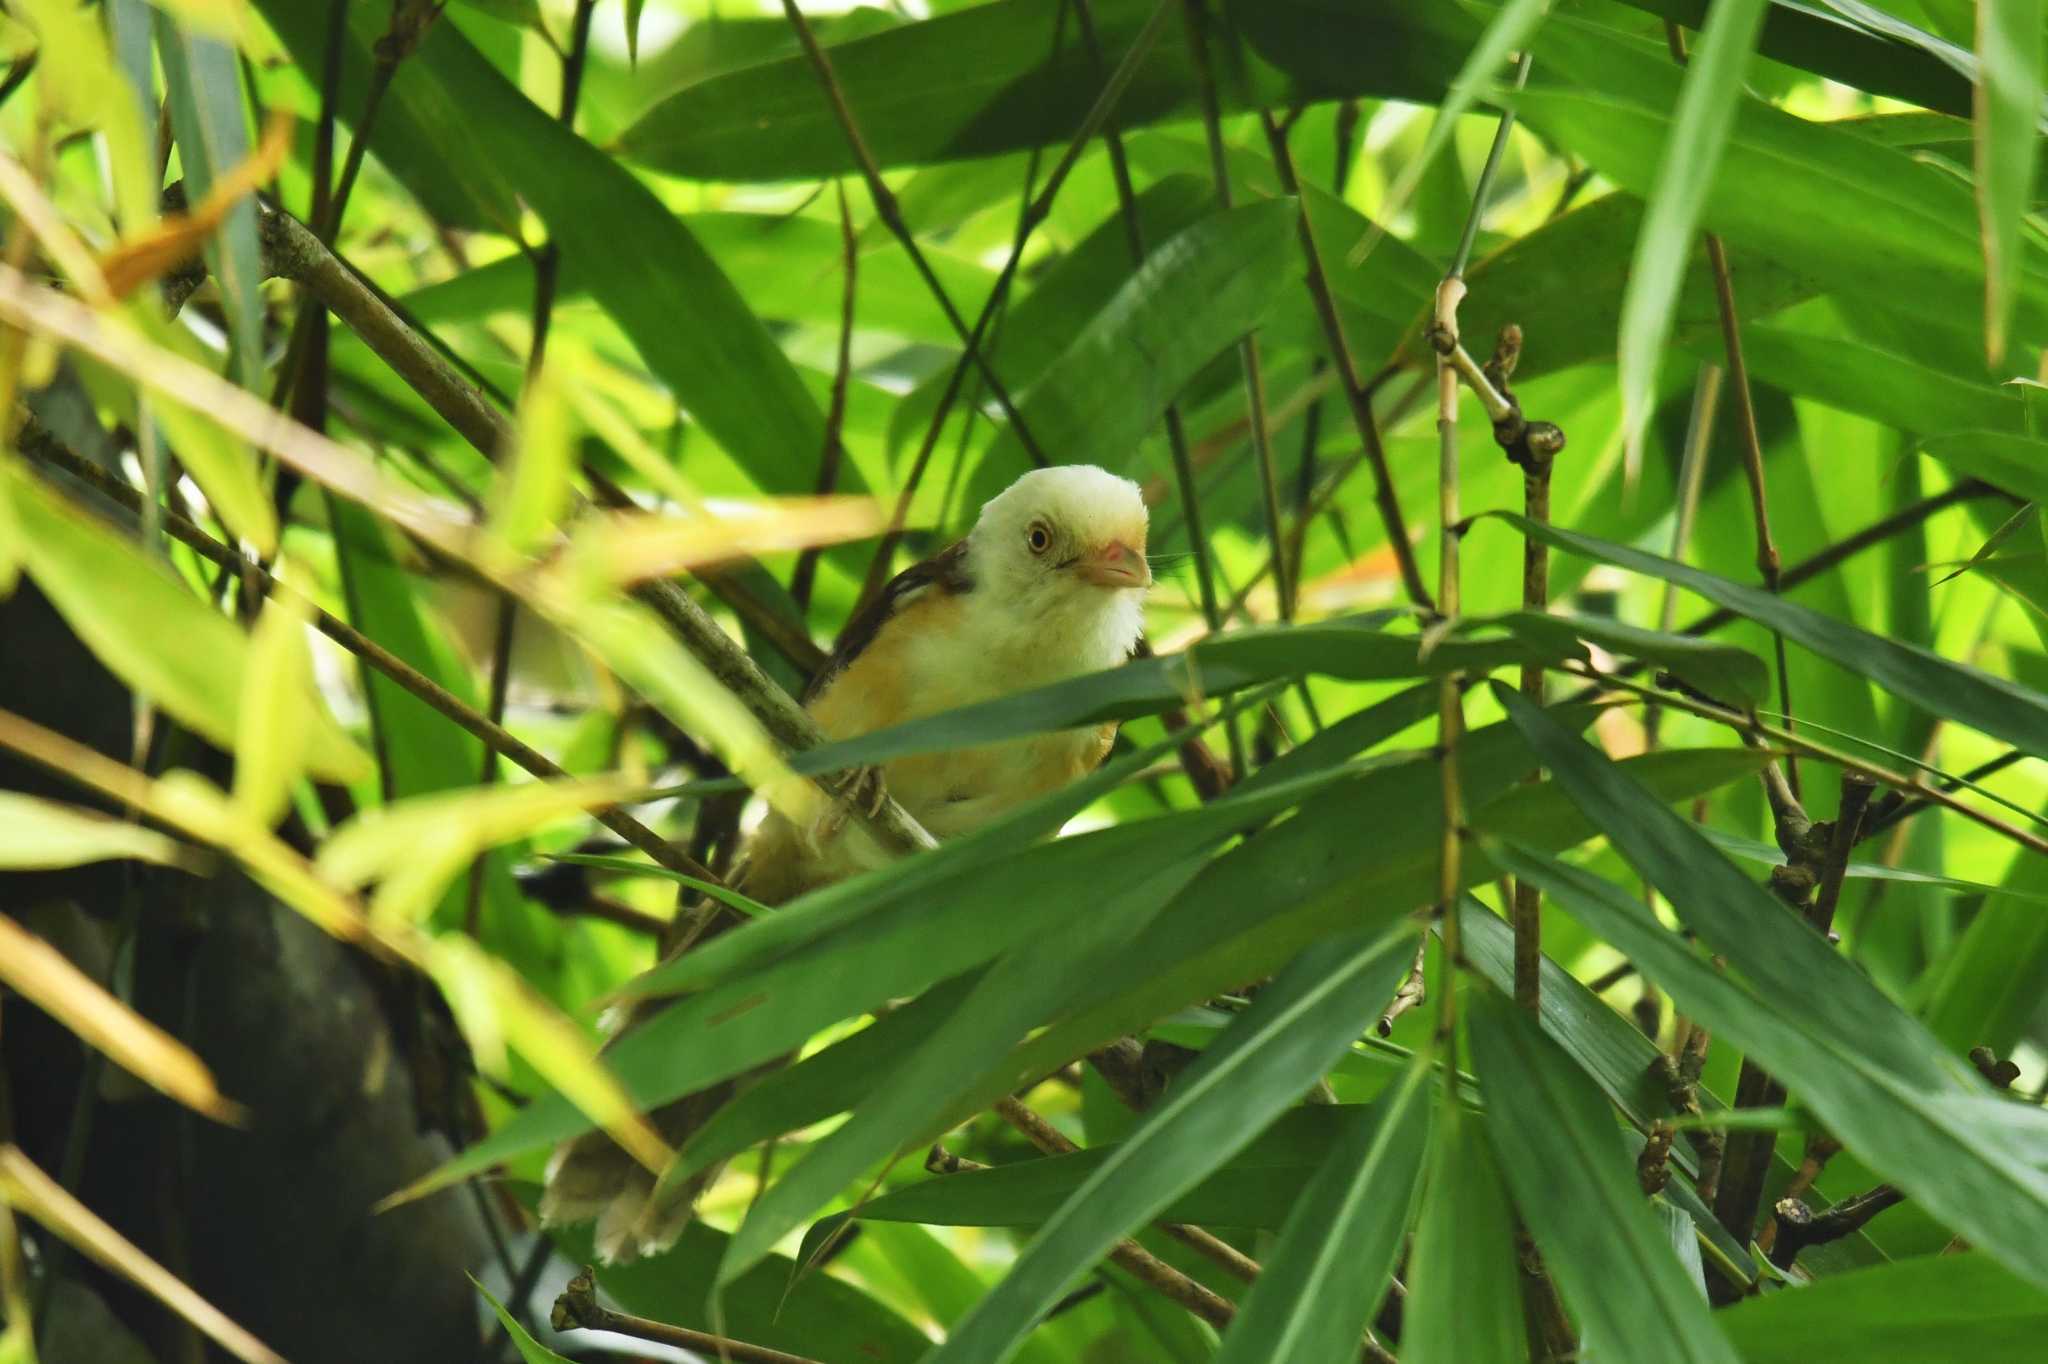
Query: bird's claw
[{"x": 860, "y": 789}]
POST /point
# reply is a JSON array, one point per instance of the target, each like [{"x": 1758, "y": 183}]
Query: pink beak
[{"x": 1116, "y": 564}]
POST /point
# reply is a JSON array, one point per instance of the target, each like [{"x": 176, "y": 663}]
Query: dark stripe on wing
[{"x": 945, "y": 571}]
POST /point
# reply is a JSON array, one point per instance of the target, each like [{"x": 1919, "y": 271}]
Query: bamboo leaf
[
  {"x": 45, "y": 977},
  {"x": 2000, "y": 708},
  {"x": 1464, "y": 1293},
  {"x": 204, "y": 91},
  {"x": 1296, "y": 1027},
  {"x": 692, "y": 328},
  {"x": 1574, "y": 1182},
  {"x": 200, "y": 683},
  {"x": 37, "y": 834},
  {"x": 1700, "y": 127},
  {"x": 27, "y": 1189},
  {"x": 1920, "y": 1125},
  {"x": 1939, "y": 1309},
  {"x": 1324, "y": 1279},
  {"x": 530, "y": 1350},
  {"x": 2008, "y": 128}
]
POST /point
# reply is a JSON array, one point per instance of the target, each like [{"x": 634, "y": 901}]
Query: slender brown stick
[
  {"x": 1034, "y": 213},
  {"x": 1248, "y": 345},
  {"x": 1053, "y": 1142},
  {"x": 1357, "y": 396},
  {"x": 46, "y": 448},
  {"x": 1127, "y": 1255},
  {"x": 547, "y": 270},
  {"x": 829, "y": 458},
  {"x": 1767, "y": 561},
  {"x": 891, "y": 214},
  {"x": 578, "y": 1307}
]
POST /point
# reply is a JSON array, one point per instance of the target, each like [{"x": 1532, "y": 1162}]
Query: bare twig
[
  {"x": 1053, "y": 1142},
  {"x": 578, "y": 1307},
  {"x": 1127, "y": 1255},
  {"x": 829, "y": 458},
  {"x": 1357, "y": 396},
  {"x": 1196, "y": 12},
  {"x": 1176, "y": 429},
  {"x": 891, "y": 214},
  {"x": 1412, "y": 992},
  {"x": 1034, "y": 213},
  {"x": 1767, "y": 561}
]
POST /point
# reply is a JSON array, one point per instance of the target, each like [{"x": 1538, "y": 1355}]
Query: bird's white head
[{"x": 1064, "y": 548}]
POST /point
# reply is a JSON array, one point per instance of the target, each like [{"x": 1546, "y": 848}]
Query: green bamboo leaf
[
  {"x": 530, "y": 1350},
  {"x": 1464, "y": 1291},
  {"x": 988, "y": 79},
  {"x": 153, "y": 633},
  {"x": 1324, "y": 1279},
  {"x": 1924, "y": 1126},
  {"x": 817, "y": 1315},
  {"x": 1257, "y": 1187},
  {"x": 1990, "y": 986},
  {"x": 1017, "y": 992},
  {"x": 1688, "y": 163},
  {"x": 840, "y": 949},
  {"x": 1353, "y": 650},
  {"x": 2004, "y": 459},
  {"x": 2003, "y": 709},
  {"x": 1505, "y": 36},
  {"x": 1609, "y": 1049},
  {"x": 1938, "y": 1309},
  {"x": 38, "y": 834},
  {"x": 1898, "y": 230},
  {"x": 1195, "y": 294},
  {"x": 1574, "y": 1183},
  {"x": 2008, "y": 129},
  {"x": 204, "y": 90},
  {"x": 1297, "y": 1026},
  {"x": 1755, "y": 850},
  {"x": 270, "y": 748},
  {"x": 1573, "y": 271},
  {"x": 1723, "y": 670}
]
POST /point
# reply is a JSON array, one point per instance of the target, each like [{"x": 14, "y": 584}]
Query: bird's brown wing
[{"x": 945, "y": 572}]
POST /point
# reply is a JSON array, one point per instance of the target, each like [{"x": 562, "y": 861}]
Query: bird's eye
[{"x": 1039, "y": 538}]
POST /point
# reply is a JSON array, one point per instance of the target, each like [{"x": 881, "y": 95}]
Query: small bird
[{"x": 1048, "y": 585}]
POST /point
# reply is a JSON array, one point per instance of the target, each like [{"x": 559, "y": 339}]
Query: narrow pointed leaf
[
  {"x": 1323, "y": 1281},
  {"x": 2008, "y": 130},
  {"x": 1937, "y": 1309},
  {"x": 1464, "y": 1295},
  {"x": 1689, "y": 162},
  {"x": 1998, "y": 707},
  {"x": 1297, "y": 1026},
  {"x": 1574, "y": 1183}
]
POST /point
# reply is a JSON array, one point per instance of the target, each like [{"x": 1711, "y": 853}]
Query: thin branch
[
  {"x": 1034, "y": 213},
  {"x": 891, "y": 214},
  {"x": 1856, "y": 790},
  {"x": 578, "y": 1307},
  {"x": 801, "y": 579},
  {"x": 1767, "y": 561},
  {"x": 1357, "y": 395},
  {"x": 1196, "y": 12},
  {"x": 1176, "y": 428},
  {"x": 34, "y": 441},
  {"x": 1053, "y": 1142},
  {"x": 1127, "y": 1255},
  {"x": 547, "y": 269},
  {"x": 297, "y": 255}
]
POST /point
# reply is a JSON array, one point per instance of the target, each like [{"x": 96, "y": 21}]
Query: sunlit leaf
[
  {"x": 46, "y": 977},
  {"x": 28, "y": 1190}
]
